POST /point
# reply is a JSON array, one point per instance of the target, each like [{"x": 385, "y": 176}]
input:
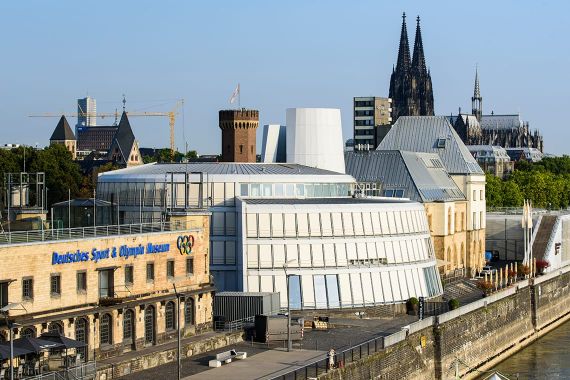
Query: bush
[
  {"x": 523, "y": 269},
  {"x": 453, "y": 304},
  {"x": 413, "y": 301},
  {"x": 412, "y": 306},
  {"x": 512, "y": 274},
  {"x": 542, "y": 264},
  {"x": 485, "y": 286}
]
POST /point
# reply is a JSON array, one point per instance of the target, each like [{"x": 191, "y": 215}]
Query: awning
[
  {"x": 5, "y": 351},
  {"x": 56, "y": 337},
  {"x": 36, "y": 345}
]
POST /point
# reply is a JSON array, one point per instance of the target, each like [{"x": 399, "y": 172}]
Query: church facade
[
  {"x": 507, "y": 131},
  {"x": 410, "y": 84}
]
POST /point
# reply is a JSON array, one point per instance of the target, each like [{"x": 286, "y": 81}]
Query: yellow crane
[{"x": 170, "y": 114}]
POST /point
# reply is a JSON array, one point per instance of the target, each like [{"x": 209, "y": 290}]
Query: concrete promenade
[{"x": 264, "y": 365}]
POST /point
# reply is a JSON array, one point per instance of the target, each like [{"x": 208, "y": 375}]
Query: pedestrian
[{"x": 331, "y": 355}]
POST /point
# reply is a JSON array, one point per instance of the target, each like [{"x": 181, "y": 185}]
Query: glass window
[
  {"x": 128, "y": 324},
  {"x": 255, "y": 190},
  {"x": 169, "y": 316},
  {"x": 81, "y": 282},
  {"x": 170, "y": 269},
  {"x": 318, "y": 190},
  {"x": 310, "y": 190},
  {"x": 389, "y": 193},
  {"x": 295, "y": 298},
  {"x": 300, "y": 190},
  {"x": 105, "y": 330},
  {"x": 290, "y": 190},
  {"x": 244, "y": 189},
  {"x": 267, "y": 190},
  {"x": 27, "y": 288},
  {"x": 129, "y": 274},
  {"x": 55, "y": 284},
  {"x": 190, "y": 266},
  {"x": 332, "y": 291},
  {"x": 150, "y": 272},
  {"x": 326, "y": 190},
  {"x": 279, "y": 192}
]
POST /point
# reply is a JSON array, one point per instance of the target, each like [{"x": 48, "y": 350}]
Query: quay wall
[{"x": 470, "y": 339}]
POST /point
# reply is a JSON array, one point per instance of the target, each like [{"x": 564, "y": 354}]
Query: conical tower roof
[
  {"x": 124, "y": 137},
  {"x": 62, "y": 131},
  {"x": 403, "y": 62},
  {"x": 476, "y": 90},
  {"x": 419, "y": 60}
]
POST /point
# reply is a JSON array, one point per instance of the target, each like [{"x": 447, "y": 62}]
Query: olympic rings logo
[{"x": 185, "y": 244}]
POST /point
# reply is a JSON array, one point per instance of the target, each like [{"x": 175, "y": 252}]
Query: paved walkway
[{"x": 264, "y": 365}]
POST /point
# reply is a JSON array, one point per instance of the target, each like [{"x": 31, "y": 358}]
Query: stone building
[
  {"x": 410, "y": 84},
  {"x": 124, "y": 149},
  {"x": 239, "y": 129},
  {"x": 493, "y": 159},
  {"x": 63, "y": 135},
  {"x": 115, "y": 292},
  {"x": 420, "y": 177}
]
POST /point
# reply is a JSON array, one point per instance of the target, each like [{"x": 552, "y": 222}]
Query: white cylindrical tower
[{"x": 314, "y": 138}]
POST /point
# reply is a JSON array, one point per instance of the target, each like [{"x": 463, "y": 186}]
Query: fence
[
  {"x": 85, "y": 371},
  {"x": 233, "y": 325},
  {"x": 17, "y": 237}
]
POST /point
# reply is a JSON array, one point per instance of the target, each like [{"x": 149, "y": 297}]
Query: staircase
[{"x": 543, "y": 236}]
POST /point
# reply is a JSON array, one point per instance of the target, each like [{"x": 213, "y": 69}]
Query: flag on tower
[{"x": 235, "y": 94}]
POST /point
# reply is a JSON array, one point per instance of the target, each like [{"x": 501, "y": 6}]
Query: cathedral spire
[
  {"x": 477, "y": 100},
  {"x": 403, "y": 62},
  {"x": 418, "y": 58}
]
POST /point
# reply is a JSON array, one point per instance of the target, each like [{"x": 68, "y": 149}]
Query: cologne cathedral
[{"x": 410, "y": 83}]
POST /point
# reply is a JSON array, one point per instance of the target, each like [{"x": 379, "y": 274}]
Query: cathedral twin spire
[{"x": 410, "y": 84}]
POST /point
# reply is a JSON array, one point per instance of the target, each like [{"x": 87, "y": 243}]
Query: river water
[{"x": 547, "y": 358}]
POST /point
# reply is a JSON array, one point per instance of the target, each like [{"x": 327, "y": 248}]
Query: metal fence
[
  {"x": 233, "y": 325},
  {"x": 341, "y": 358},
  {"x": 85, "y": 371},
  {"x": 88, "y": 232}
]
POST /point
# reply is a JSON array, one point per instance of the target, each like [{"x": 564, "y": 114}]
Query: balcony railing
[{"x": 18, "y": 237}]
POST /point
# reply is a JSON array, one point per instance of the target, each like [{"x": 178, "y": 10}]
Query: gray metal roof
[
  {"x": 431, "y": 134},
  {"x": 501, "y": 121},
  {"x": 223, "y": 168},
  {"x": 421, "y": 175},
  {"x": 324, "y": 201}
]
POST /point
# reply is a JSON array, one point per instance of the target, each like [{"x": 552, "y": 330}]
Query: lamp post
[
  {"x": 289, "y": 343},
  {"x": 4, "y": 311},
  {"x": 178, "y": 331}
]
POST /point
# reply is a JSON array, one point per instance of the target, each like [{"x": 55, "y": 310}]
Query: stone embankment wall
[{"x": 470, "y": 339}]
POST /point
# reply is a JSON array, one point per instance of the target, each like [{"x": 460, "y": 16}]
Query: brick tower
[{"x": 238, "y": 134}]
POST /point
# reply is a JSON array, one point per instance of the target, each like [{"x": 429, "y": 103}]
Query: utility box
[
  {"x": 274, "y": 328},
  {"x": 237, "y": 306}
]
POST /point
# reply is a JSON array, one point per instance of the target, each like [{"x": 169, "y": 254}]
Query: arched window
[
  {"x": 149, "y": 324},
  {"x": 169, "y": 316},
  {"x": 28, "y": 332},
  {"x": 128, "y": 324},
  {"x": 81, "y": 335},
  {"x": 56, "y": 327},
  {"x": 449, "y": 221},
  {"x": 189, "y": 312},
  {"x": 105, "y": 330}
]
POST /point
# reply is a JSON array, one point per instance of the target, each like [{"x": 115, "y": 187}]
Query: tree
[
  {"x": 494, "y": 191},
  {"x": 511, "y": 194}
]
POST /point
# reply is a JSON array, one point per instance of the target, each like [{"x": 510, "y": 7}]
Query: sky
[{"x": 294, "y": 53}]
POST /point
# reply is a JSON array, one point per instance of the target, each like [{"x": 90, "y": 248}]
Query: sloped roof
[
  {"x": 62, "y": 131},
  {"x": 431, "y": 134},
  {"x": 124, "y": 137},
  {"x": 421, "y": 175},
  {"x": 501, "y": 121}
]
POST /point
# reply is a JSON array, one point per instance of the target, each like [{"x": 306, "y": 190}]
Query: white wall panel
[
  {"x": 290, "y": 225},
  {"x": 264, "y": 225},
  {"x": 278, "y": 255},
  {"x": 411, "y": 251},
  {"x": 371, "y": 248},
  {"x": 345, "y": 291},
  {"x": 253, "y": 283},
  {"x": 357, "y": 220},
  {"x": 395, "y": 286},
  {"x": 380, "y": 250},
  {"x": 387, "y": 286},
  {"x": 281, "y": 287},
  {"x": 397, "y": 251},
  {"x": 337, "y": 224},
  {"x": 389, "y": 252},
  {"x": 318, "y": 257},
  {"x": 326, "y": 224},
  {"x": 403, "y": 285},
  {"x": 302, "y": 225},
  {"x": 277, "y": 225},
  {"x": 305, "y": 256},
  {"x": 404, "y": 251},
  {"x": 367, "y": 288},
  {"x": 413, "y": 292},
  {"x": 384, "y": 223},
  {"x": 266, "y": 284},
  {"x": 292, "y": 253},
  {"x": 251, "y": 221},
  {"x": 340, "y": 249},
  {"x": 265, "y": 258},
  {"x": 422, "y": 281},
  {"x": 330, "y": 258},
  {"x": 230, "y": 194},
  {"x": 351, "y": 251},
  {"x": 376, "y": 223},
  {"x": 367, "y": 223},
  {"x": 356, "y": 286},
  {"x": 252, "y": 256},
  {"x": 308, "y": 291},
  {"x": 361, "y": 250},
  {"x": 377, "y": 287},
  {"x": 314, "y": 224},
  {"x": 347, "y": 223}
]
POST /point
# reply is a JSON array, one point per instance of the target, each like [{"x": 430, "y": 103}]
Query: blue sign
[
  {"x": 97, "y": 255},
  {"x": 488, "y": 255}
]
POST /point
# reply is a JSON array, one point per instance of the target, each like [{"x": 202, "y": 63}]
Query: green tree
[
  {"x": 511, "y": 194},
  {"x": 494, "y": 191}
]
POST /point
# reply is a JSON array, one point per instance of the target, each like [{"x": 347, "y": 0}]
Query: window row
[
  {"x": 106, "y": 279},
  {"x": 349, "y": 289},
  {"x": 262, "y": 256},
  {"x": 265, "y": 225},
  {"x": 308, "y": 190}
]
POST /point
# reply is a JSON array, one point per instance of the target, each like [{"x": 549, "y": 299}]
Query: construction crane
[{"x": 170, "y": 114}]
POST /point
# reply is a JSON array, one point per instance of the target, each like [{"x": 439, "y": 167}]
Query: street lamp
[
  {"x": 4, "y": 311},
  {"x": 285, "y": 266}
]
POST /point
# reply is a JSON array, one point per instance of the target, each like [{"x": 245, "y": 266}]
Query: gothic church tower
[{"x": 410, "y": 84}]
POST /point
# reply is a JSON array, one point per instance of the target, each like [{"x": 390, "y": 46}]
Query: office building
[
  {"x": 372, "y": 120},
  {"x": 493, "y": 159},
  {"x": 86, "y": 113}
]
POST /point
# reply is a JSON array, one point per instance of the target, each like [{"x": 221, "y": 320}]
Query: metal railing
[
  {"x": 18, "y": 237},
  {"x": 85, "y": 371},
  {"x": 233, "y": 325},
  {"x": 341, "y": 358}
]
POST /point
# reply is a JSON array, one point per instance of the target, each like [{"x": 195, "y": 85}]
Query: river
[{"x": 547, "y": 358}]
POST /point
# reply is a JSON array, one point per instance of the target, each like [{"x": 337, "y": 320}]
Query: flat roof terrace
[{"x": 60, "y": 234}]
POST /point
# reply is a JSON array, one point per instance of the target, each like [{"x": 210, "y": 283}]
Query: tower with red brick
[{"x": 239, "y": 129}]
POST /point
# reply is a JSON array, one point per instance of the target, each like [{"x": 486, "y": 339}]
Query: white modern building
[
  {"x": 361, "y": 251},
  {"x": 314, "y": 138},
  {"x": 86, "y": 112},
  {"x": 273, "y": 147}
]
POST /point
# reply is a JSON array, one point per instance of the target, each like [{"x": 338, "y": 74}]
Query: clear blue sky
[{"x": 284, "y": 54}]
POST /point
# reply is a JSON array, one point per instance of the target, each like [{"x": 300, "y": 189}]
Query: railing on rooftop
[
  {"x": 84, "y": 371},
  {"x": 18, "y": 237}
]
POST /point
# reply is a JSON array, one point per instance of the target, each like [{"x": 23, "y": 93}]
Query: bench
[{"x": 226, "y": 357}]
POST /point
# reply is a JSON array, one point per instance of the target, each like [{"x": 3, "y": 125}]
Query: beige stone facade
[
  {"x": 70, "y": 145},
  {"x": 116, "y": 293}
]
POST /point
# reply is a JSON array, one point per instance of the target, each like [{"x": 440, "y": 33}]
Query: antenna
[{"x": 124, "y": 102}]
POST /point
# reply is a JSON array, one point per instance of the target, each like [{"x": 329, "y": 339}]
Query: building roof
[
  {"x": 488, "y": 151},
  {"x": 421, "y": 175},
  {"x": 229, "y": 170},
  {"x": 62, "y": 131},
  {"x": 325, "y": 201},
  {"x": 501, "y": 121},
  {"x": 124, "y": 137},
  {"x": 431, "y": 134}
]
